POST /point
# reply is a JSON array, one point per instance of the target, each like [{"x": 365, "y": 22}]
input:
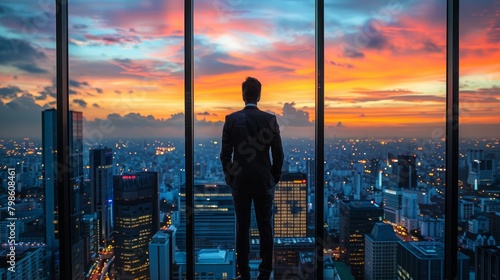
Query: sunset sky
[{"x": 384, "y": 62}]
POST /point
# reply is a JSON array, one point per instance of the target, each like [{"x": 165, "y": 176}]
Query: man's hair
[{"x": 251, "y": 90}]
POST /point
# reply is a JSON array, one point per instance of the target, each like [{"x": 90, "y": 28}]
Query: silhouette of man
[{"x": 247, "y": 137}]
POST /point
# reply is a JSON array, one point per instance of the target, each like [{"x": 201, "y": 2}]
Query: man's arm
[
  {"x": 226, "y": 151},
  {"x": 276, "y": 150}
]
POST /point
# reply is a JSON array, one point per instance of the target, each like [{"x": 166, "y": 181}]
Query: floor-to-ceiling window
[
  {"x": 273, "y": 42},
  {"x": 28, "y": 163},
  {"x": 478, "y": 185},
  {"x": 384, "y": 134},
  {"x": 126, "y": 83}
]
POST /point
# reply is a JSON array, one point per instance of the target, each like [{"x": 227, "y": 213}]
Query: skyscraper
[
  {"x": 356, "y": 219},
  {"x": 380, "y": 252},
  {"x": 287, "y": 256},
  {"x": 49, "y": 162},
  {"x": 136, "y": 220},
  {"x": 89, "y": 234},
  {"x": 425, "y": 260},
  {"x": 393, "y": 203},
  {"x": 214, "y": 220},
  {"x": 290, "y": 209},
  {"x": 406, "y": 172},
  {"x": 29, "y": 264},
  {"x": 481, "y": 169},
  {"x": 311, "y": 173},
  {"x": 101, "y": 188},
  {"x": 161, "y": 255},
  {"x": 487, "y": 262},
  {"x": 410, "y": 207},
  {"x": 494, "y": 219},
  {"x": 50, "y": 177}
]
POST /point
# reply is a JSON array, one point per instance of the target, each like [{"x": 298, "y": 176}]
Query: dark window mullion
[
  {"x": 452, "y": 106},
  {"x": 63, "y": 158},
  {"x": 189, "y": 134},
  {"x": 320, "y": 135}
]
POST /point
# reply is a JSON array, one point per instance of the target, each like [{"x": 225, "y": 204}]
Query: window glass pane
[
  {"x": 384, "y": 131},
  {"x": 274, "y": 42},
  {"x": 478, "y": 205},
  {"x": 126, "y": 89},
  {"x": 27, "y": 139}
]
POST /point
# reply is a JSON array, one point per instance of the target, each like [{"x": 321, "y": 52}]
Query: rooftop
[
  {"x": 383, "y": 232},
  {"x": 211, "y": 256}
]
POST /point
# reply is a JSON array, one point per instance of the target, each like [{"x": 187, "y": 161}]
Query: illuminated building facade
[
  {"x": 481, "y": 169},
  {"x": 136, "y": 220},
  {"x": 393, "y": 201},
  {"x": 214, "y": 220},
  {"x": 290, "y": 209},
  {"x": 356, "y": 219}
]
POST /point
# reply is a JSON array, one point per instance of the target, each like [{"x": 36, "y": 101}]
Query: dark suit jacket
[{"x": 247, "y": 137}]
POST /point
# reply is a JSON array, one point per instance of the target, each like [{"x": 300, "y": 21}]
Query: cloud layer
[{"x": 384, "y": 64}]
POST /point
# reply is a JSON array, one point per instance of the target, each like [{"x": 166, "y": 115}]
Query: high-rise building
[
  {"x": 311, "y": 173},
  {"x": 494, "y": 218},
  {"x": 28, "y": 264},
  {"x": 161, "y": 255},
  {"x": 356, "y": 219},
  {"x": 287, "y": 256},
  {"x": 406, "y": 172},
  {"x": 101, "y": 189},
  {"x": 214, "y": 220},
  {"x": 487, "y": 262},
  {"x": 481, "y": 169},
  {"x": 380, "y": 252},
  {"x": 16, "y": 231},
  {"x": 465, "y": 209},
  {"x": 90, "y": 236},
  {"x": 432, "y": 227},
  {"x": 410, "y": 207},
  {"x": 136, "y": 220},
  {"x": 290, "y": 209},
  {"x": 392, "y": 202},
  {"x": 425, "y": 260},
  {"x": 49, "y": 161},
  {"x": 374, "y": 172},
  {"x": 210, "y": 264}
]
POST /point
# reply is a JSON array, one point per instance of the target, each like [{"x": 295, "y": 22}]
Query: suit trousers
[{"x": 263, "y": 203}]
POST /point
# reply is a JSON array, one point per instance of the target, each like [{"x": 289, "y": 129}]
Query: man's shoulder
[
  {"x": 266, "y": 115},
  {"x": 234, "y": 114},
  {"x": 271, "y": 115},
  {"x": 252, "y": 111}
]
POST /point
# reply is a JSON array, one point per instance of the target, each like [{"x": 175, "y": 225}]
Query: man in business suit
[{"x": 247, "y": 137}]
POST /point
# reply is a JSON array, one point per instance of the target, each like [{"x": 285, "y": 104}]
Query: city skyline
[
  {"x": 419, "y": 215},
  {"x": 384, "y": 65}
]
